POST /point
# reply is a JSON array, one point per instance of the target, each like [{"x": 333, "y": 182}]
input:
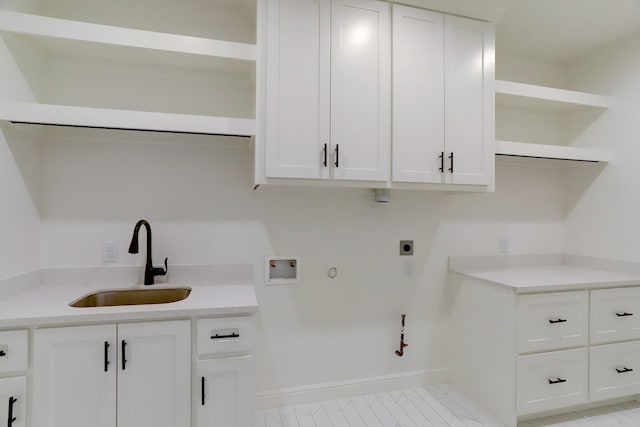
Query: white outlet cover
[{"x": 109, "y": 252}]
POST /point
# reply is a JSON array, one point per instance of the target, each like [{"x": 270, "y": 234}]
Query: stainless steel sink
[{"x": 132, "y": 297}]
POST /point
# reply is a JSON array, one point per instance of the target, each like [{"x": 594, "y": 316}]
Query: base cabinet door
[
  {"x": 74, "y": 377},
  {"x": 13, "y": 402},
  {"x": 223, "y": 392},
  {"x": 153, "y": 374}
]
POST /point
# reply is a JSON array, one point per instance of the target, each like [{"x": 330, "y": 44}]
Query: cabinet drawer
[
  {"x": 14, "y": 351},
  {"x": 615, "y": 315},
  {"x": 614, "y": 370},
  {"x": 552, "y": 321},
  {"x": 551, "y": 380},
  {"x": 225, "y": 335}
]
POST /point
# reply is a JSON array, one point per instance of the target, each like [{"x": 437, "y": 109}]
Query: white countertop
[
  {"x": 48, "y": 304},
  {"x": 558, "y": 273}
]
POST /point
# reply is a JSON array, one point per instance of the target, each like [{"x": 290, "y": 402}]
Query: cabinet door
[
  {"x": 224, "y": 390},
  {"x": 298, "y": 89},
  {"x": 13, "y": 402},
  {"x": 74, "y": 377},
  {"x": 469, "y": 106},
  {"x": 360, "y": 89},
  {"x": 154, "y": 372},
  {"x": 418, "y": 95}
]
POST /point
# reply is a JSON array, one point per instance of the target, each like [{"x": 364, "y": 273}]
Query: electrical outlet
[
  {"x": 109, "y": 252},
  {"x": 406, "y": 247},
  {"x": 504, "y": 245},
  {"x": 408, "y": 267}
]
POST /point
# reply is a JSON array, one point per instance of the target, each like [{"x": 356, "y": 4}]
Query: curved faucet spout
[{"x": 149, "y": 270}]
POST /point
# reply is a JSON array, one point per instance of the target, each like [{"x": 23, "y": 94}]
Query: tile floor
[{"x": 437, "y": 406}]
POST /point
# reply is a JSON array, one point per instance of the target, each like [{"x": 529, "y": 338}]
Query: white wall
[
  {"x": 603, "y": 210},
  {"x": 199, "y": 201},
  {"x": 20, "y": 156}
]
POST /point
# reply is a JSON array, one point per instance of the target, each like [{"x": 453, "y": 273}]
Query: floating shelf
[
  {"x": 62, "y": 115},
  {"x": 41, "y": 26},
  {"x": 546, "y": 98},
  {"x": 551, "y": 152}
]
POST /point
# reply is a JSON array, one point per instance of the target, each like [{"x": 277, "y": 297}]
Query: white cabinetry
[
  {"x": 76, "y": 370},
  {"x": 328, "y": 90},
  {"x": 106, "y": 64},
  {"x": 224, "y": 372},
  {"x": 443, "y": 73},
  {"x": 14, "y": 361},
  {"x": 13, "y": 402},
  {"x": 546, "y": 351}
]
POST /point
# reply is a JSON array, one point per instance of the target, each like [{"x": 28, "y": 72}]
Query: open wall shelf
[
  {"x": 551, "y": 152},
  {"x": 79, "y": 73},
  {"x": 537, "y": 104},
  {"x": 546, "y": 98}
]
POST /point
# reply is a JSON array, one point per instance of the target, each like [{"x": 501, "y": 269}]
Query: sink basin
[{"x": 132, "y": 297}]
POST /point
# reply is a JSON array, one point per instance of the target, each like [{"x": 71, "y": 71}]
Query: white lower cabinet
[
  {"x": 614, "y": 370},
  {"x": 223, "y": 388},
  {"x": 223, "y": 376},
  {"x": 81, "y": 373},
  {"x": 552, "y": 380},
  {"x": 13, "y": 402}
]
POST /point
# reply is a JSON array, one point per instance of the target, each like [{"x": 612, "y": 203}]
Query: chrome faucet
[{"x": 150, "y": 272}]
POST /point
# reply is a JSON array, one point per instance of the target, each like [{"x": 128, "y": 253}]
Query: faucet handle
[{"x": 159, "y": 271}]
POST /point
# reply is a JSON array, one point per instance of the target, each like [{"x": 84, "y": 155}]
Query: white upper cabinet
[
  {"x": 443, "y": 98},
  {"x": 298, "y": 108},
  {"x": 469, "y": 100},
  {"x": 360, "y": 89},
  {"x": 328, "y": 90},
  {"x": 418, "y": 95}
]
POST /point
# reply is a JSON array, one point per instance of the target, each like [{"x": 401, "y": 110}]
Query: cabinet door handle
[
  {"x": 324, "y": 163},
  {"x": 557, "y": 321},
  {"x": 221, "y": 337},
  {"x": 11, "y": 419},
  {"x": 337, "y": 163},
  {"x": 2, "y": 353},
  {"x": 623, "y": 370},
  {"x": 124, "y": 355},
  {"x": 558, "y": 381},
  {"x": 106, "y": 356},
  {"x": 441, "y": 157},
  {"x": 202, "y": 386},
  {"x": 625, "y": 314},
  {"x": 451, "y": 158}
]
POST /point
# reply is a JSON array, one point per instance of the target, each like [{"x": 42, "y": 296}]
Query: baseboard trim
[{"x": 343, "y": 389}]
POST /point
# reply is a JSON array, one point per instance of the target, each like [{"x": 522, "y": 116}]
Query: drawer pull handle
[
  {"x": 11, "y": 418},
  {"x": 625, "y": 314},
  {"x": 221, "y": 337},
  {"x": 623, "y": 370},
  {"x": 106, "y": 356},
  {"x": 558, "y": 381},
  {"x": 2, "y": 353},
  {"x": 557, "y": 321},
  {"x": 124, "y": 355},
  {"x": 202, "y": 394}
]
